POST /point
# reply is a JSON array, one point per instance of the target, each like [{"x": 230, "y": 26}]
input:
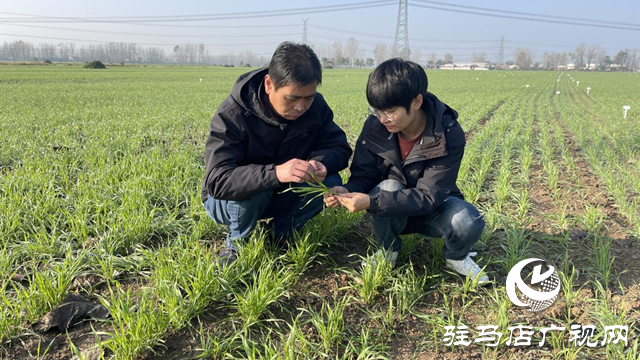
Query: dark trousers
[
  {"x": 456, "y": 221},
  {"x": 287, "y": 210}
]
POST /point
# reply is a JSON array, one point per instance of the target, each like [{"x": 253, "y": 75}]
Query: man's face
[{"x": 290, "y": 101}]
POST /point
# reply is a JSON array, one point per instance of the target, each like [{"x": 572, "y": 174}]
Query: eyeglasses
[{"x": 381, "y": 114}]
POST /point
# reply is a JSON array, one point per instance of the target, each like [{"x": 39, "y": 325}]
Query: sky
[{"x": 430, "y": 30}]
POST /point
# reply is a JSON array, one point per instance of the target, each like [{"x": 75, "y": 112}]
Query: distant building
[
  {"x": 571, "y": 66},
  {"x": 465, "y": 66},
  {"x": 561, "y": 67}
]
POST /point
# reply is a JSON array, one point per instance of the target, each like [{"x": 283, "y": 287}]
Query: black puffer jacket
[
  {"x": 429, "y": 172},
  {"x": 245, "y": 143}
]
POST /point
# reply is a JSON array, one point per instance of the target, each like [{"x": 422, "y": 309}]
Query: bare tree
[
  {"x": 634, "y": 60},
  {"x": 578, "y": 56},
  {"x": 592, "y": 53},
  {"x": 448, "y": 58},
  {"x": 479, "y": 57},
  {"x": 416, "y": 55},
  {"x": 433, "y": 58},
  {"x": 337, "y": 52},
  {"x": 351, "y": 50},
  {"x": 601, "y": 55},
  {"x": 523, "y": 58},
  {"x": 380, "y": 53}
]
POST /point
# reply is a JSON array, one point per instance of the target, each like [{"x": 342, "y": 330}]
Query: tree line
[
  {"x": 347, "y": 55},
  {"x": 122, "y": 52}
]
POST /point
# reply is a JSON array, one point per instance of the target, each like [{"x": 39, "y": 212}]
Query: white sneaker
[
  {"x": 468, "y": 267},
  {"x": 389, "y": 256}
]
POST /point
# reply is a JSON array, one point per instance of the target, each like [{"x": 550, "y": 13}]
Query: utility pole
[
  {"x": 501, "y": 53},
  {"x": 305, "y": 39},
  {"x": 401, "y": 41},
  {"x": 14, "y": 54}
]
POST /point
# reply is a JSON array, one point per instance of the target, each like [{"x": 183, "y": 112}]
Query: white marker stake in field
[
  {"x": 588, "y": 90},
  {"x": 577, "y": 83},
  {"x": 527, "y": 85},
  {"x": 200, "y": 80},
  {"x": 557, "y": 92},
  {"x": 625, "y": 108}
]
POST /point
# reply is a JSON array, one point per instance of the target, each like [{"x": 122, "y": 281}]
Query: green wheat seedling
[
  {"x": 365, "y": 347},
  {"x": 602, "y": 260},
  {"x": 329, "y": 323},
  {"x": 516, "y": 247},
  {"x": 270, "y": 283},
  {"x": 408, "y": 288},
  {"x": 570, "y": 294},
  {"x": 137, "y": 325},
  {"x": 303, "y": 251},
  {"x": 314, "y": 190},
  {"x": 375, "y": 276},
  {"x": 295, "y": 344}
]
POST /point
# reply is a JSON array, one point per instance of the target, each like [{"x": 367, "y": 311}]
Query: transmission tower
[
  {"x": 305, "y": 40},
  {"x": 401, "y": 42},
  {"x": 501, "y": 53}
]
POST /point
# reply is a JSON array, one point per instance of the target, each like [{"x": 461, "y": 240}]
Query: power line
[
  {"x": 184, "y": 18},
  {"x": 199, "y": 16},
  {"x": 328, "y": 37},
  {"x": 523, "y": 18},
  {"x": 147, "y": 34},
  {"x": 379, "y": 36},
  {"x": 127, "y": 42},
  {"x": 551, "y": 45},
  {"x": 616, "y": 23},
  {"x": 305, "y": 39}
]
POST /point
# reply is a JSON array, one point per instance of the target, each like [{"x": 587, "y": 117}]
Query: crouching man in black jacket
[
  {"x": 405, "y": 168},
  {"x": 274, "y": 130}
]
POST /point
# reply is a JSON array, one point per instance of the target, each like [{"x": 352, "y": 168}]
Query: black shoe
[{"x": 227, "y": 257}]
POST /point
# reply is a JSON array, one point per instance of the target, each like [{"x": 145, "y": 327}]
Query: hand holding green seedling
[
  {"x": 299, "y": 171},
  {"x": 331, "y": 200},
  {"x": 320, "y": 170},
  {"x": 315, "y": 188},
  {"x": 354, "y": 202}
]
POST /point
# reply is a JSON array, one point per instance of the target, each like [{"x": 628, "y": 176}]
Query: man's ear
[
  {"x": 268, "y": 84},
  {"x": 417, "y": 102}
]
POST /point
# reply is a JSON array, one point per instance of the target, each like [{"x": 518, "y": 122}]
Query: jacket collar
[{"x": 433, "y": 143}]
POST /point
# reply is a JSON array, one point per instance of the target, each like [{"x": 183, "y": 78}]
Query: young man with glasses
[{"x": 405, "y": 168}]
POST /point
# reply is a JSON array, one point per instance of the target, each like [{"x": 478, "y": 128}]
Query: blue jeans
[
  {"x": 456, "y": 221},
  {"x": 286, "y": 209}
]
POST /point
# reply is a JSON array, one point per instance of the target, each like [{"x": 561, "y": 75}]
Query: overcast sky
[{"x": 458, "y": 33}]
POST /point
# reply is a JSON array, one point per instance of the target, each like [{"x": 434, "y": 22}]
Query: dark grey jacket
[
  {"x": 429, "y": 172},
  {"x": 245, "y": 143}
]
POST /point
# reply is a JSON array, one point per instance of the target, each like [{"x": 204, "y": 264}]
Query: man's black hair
[
  {"x": 294, "y": 64},
  {"x": 396, "y": 82}
]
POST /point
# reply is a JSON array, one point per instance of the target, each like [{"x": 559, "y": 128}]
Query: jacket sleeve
[
  {"x": 332, "y": 148},
  {"x": 225, "y": 179},
  {"x": 364, "y": 172},
  {"x": 436, "y": 184}
]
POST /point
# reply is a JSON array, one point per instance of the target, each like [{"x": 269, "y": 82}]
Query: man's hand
[
  {"x": 331, "y": 200},
  {"x": 320, "y": 170},
  {"x": 295, "y": 171},
  {"x": 354, "y": 202}
]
